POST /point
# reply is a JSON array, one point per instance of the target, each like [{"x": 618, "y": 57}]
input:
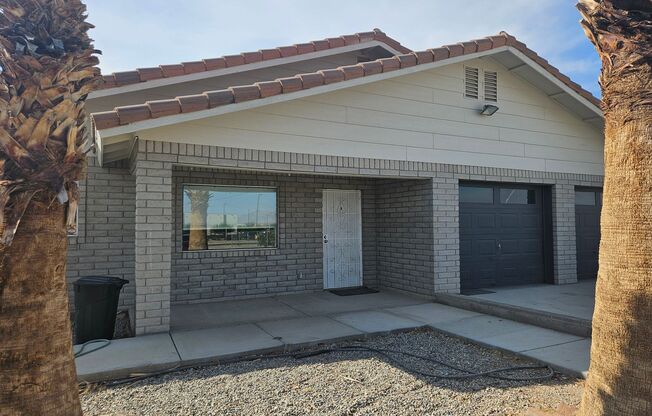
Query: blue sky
[{"x": 138, "y": 33}]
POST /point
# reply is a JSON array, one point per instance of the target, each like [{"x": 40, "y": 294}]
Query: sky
[{"x": 141, "y": 33}]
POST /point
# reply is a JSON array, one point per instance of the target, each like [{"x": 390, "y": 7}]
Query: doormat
[
  {"x": 471, "y": 292},
  {"x": 352, "y": 291}
]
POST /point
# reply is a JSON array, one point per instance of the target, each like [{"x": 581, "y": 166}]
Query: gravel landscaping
[{"x": 344, "y": 383}]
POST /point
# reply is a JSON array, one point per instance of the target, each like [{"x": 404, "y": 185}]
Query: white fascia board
[{"x": 161, "y": 82}]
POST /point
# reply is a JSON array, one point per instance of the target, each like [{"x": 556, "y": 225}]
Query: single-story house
[{"x": 342, "y": 162}]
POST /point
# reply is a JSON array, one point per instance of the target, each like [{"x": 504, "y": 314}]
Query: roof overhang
[
  {"x": 162, "y": 82},
  {"x": 116, "y": 143}
]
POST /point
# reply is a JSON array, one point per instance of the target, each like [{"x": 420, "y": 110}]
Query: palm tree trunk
[
  {"x": 198, "y": 236},
  {"x": 37, "y": 371},
  {"x": 620, "y": 374}
]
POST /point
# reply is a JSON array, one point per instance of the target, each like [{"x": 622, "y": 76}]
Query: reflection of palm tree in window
[{"x": 197, "y": 239}]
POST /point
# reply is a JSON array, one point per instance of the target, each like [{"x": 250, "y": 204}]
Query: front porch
[
  {"x": 566, "y": 308},
  {"x": 219, "y": 332}
]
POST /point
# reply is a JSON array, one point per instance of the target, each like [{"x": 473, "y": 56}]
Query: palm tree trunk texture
[
  {"x": 198, "y": 236},
  {"x": 620, "y": 374},
  {"x": 37, "y": 370}
]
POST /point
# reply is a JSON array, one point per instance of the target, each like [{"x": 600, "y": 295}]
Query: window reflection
[{"x": 228, "y": 217}]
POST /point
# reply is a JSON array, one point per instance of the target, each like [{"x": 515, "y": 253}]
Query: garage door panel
[
  {"x": 484, "y": 220},
  {"x": 588, "y": 204},
  {"x": 506, "y": 238},
  {"x": 486, "y": 247},
  {"x": 509, "y": 220}
]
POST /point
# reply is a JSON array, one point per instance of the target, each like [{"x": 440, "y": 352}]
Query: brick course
[
  {"x": 127, "y": 227},
  {"x": 294, "y": 266}
]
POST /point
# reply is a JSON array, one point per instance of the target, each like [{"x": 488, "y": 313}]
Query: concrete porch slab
[
  {"x": 376, "y": 321},
  {"x": 432, "y": 313},
  {"x": 210, "y": 344},
  {"x": 564, "y": 352},
  {"x": 232, "y": 312},
  {"x": 306, "y": 331},
  {"x": 570, "y": 358},
  {"x": 122, "y": 357},
  {"x": 326, "y": 303}
]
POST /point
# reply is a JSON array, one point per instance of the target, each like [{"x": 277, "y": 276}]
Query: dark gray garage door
[
  {"x": 588, "y": 203},
  {"x": 502, "y": 235}
]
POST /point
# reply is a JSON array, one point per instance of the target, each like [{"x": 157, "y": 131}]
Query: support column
[
  {"x": 153, "y": 241},
  {"x": 563, "y": 234},
  {"x": 446, "y": 214}
]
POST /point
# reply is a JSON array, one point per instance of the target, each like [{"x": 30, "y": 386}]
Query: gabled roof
[
  {"x": 118, "y": 79},
  {"x": 122, "y": 116}
]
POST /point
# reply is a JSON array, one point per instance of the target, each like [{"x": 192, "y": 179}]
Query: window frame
[{"x": 232, "y": 249}]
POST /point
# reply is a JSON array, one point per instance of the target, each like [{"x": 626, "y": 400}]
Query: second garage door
[{"x": 503, "y": 235}]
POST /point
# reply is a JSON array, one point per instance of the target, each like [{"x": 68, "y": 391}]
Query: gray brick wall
[
  {"x": 445, "y": 190},
  {"x": 104, "y": 244},
  {"x": 295, "y": 266},
  {"x": 405, "y": 235},
  {"x": 153, "y": 226},
  {"x": 127, "y": 227},
  {"x": 563, "y": 233}
]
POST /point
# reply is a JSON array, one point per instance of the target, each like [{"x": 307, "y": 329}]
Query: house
[{"x": 337, "y": 163}]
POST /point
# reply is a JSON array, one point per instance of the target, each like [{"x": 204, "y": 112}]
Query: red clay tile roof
[
  {"x": 211, "y": 99},
  {"x": 118, "y": 79}
]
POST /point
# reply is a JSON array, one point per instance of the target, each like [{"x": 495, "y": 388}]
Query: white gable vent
[
  {"x": 490, "y": 86},
  {"x": 471, "y": 82}
]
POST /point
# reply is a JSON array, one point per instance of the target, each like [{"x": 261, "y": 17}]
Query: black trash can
[{"x": 96, "y": 305}]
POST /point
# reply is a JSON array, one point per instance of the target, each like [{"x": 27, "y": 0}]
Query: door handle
[{"x": 325, "y": 239}]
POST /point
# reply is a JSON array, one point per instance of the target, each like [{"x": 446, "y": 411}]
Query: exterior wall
[
  {"x": 104, "y": 244},
  {"x": 405, "y": 253},
  {"x": 127, "y": 227},
  {"x": 420, "y": 117},
  {"x": 564, "y": 233},
  {"x": 294, "y": 266}
]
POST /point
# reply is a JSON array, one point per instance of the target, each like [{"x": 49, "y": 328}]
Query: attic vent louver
[
  {"x": 471, "y": 82},
  {"x": 490, "y": 86}
]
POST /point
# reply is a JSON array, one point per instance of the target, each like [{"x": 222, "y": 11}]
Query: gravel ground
[{"x": 343, "y": 383}]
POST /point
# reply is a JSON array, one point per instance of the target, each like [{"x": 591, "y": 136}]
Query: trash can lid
[{"x": 101, "y": 281}]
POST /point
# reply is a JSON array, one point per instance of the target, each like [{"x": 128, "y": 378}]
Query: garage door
[
  {"x": 588, "y": 203},
  {"x": 502, "y": 235}
]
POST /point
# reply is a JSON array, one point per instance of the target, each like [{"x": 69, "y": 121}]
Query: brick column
[
  {"x": 446, "y": 207},
  {"x": 563, "y": 234},
  {"x": 153, "y": 243}
]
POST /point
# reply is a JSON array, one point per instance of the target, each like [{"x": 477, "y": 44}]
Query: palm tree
[
  {"x": 620, "y": 375},
  {"x": 198, "y": 235},
  {"x": 48, "y": 68}
]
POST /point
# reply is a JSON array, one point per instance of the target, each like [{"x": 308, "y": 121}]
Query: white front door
[{"x": 342, "y": 238}]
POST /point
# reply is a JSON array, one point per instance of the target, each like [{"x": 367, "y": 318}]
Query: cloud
[{"x": 147, "y": 33}]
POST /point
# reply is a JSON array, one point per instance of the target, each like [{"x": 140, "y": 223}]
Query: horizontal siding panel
[
  {"x": 423, "y": 124},
  {"x": 318, "y": 128},
  {"x": 362, "y": 100},
  {"x": 548, "y": 139},
  {"x": 305, "y": 109},
  {"x": 475, "y": 159},
  {"x": 415, "y": 118},
  {"x": 465, "y": 144},
  {"x": 574, "y": 167},
  {"x": 555, "y": 153},
  {"x": 397, "y": 89},
  {"x": 220, "y": 136}
]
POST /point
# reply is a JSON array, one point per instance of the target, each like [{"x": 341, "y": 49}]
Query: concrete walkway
[{"x": 292, "y": 322}]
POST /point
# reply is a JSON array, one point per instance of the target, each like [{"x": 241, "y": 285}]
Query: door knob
[{"x": 325, "y": 239}]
